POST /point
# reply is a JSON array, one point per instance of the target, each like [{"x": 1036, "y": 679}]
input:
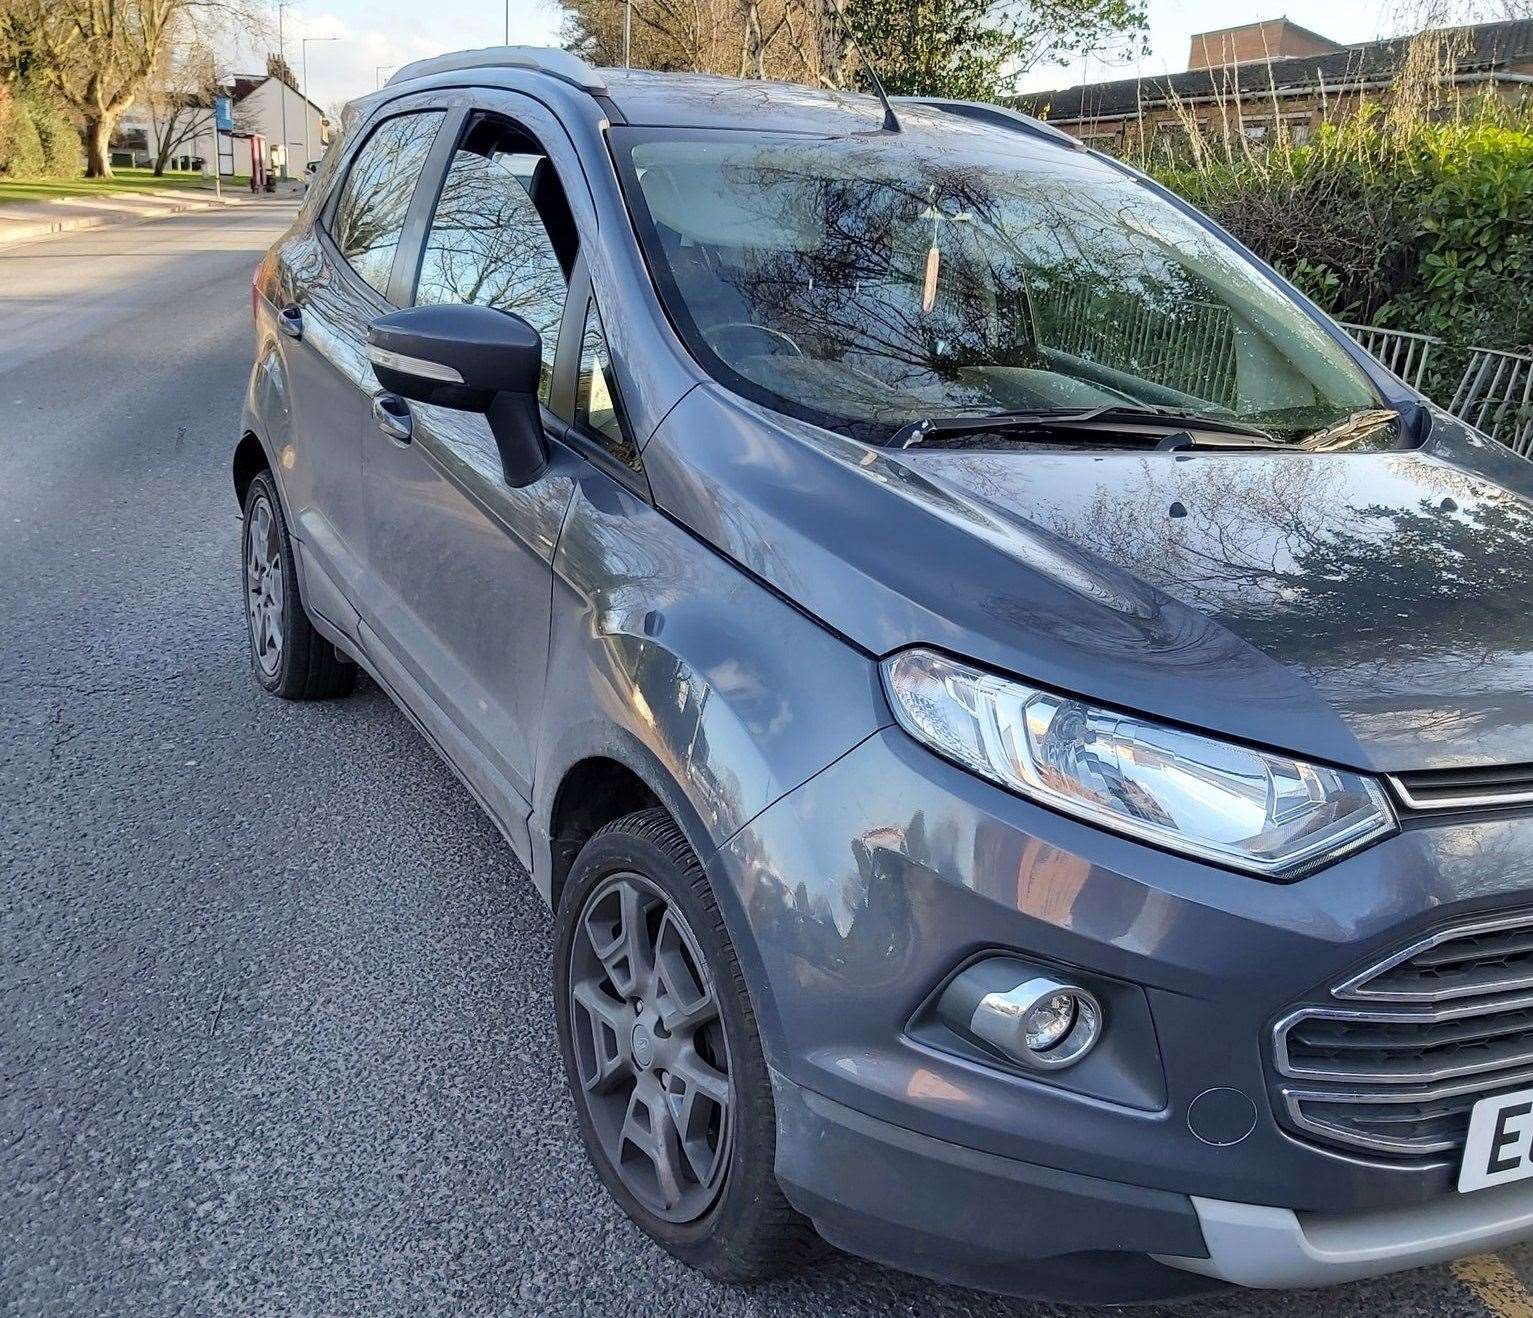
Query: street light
[
  {"x": 282, "y": 78},
  {"x": 308, "y": 149}
]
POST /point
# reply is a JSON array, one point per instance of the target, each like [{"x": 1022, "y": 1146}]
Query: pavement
[
  {"x": 27, "y": 221},
  {"x": 275, "y": 1024}
]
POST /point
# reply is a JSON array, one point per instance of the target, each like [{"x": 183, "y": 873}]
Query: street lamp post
[
  {"x": 282, "y": 78},
  {"x": 308, "y": 148}
]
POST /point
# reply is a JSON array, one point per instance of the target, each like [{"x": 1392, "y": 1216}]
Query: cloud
[{"x": 366, "y": 38}]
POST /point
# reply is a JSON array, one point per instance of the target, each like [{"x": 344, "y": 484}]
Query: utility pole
[
  {"x": 282, "y": 57},
  {"x": 627, "y": 33},
  {"x": 218, "y": 154},
  {"x": 308, "y": 148},
  {"x": 508, "y": 22}
]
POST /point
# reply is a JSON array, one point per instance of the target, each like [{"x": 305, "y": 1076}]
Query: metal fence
[
  {"x": 1190, "y": 348},
  {"x": 1495, "y": 395},
  {"x": 1494, "y": 392},
  {"x": 1193, "y": 349},
  {"x": 1401, "y": 351}
]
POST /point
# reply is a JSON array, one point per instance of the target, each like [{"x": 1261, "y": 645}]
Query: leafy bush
[
  {"x": 36, "y": 139},
  {"x": 60, "y": 141},
  {"x": 24, "y": 157},
  {"x": 1423, "y": 226}
]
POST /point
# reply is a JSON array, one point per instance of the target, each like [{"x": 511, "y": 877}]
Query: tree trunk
[{"x": 98, "y": 145}]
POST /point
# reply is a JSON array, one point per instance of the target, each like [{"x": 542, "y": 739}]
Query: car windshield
[{"x": 868, "y": 282}]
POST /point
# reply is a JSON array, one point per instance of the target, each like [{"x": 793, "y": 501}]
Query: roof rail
[
  {"x": 996, "y": 114},
  {"x": 542, "y": 59}
]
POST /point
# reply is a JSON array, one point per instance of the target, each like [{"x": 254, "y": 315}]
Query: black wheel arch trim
[{"x": 594, "y": 740}]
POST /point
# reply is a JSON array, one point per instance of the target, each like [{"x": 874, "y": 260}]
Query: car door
[
  {"x": 459, "y": 563},
  {"x": 335, "y": 278}
]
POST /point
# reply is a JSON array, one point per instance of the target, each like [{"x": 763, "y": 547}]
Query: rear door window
[{"x": 370, "y": 211}]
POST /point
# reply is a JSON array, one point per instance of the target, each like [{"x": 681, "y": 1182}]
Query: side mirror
[{"x": 474, "y": 359}]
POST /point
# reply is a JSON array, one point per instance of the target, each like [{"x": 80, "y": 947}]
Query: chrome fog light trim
[{"x": 1040, "y": 1022}]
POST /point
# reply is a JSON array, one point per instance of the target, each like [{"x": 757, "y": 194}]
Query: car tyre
[
  {"x": 289, "y": 658},
  {"x": 653, "y": 1013}
]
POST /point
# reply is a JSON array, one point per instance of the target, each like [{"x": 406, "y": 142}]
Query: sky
[{"x": 370, "y": 34}]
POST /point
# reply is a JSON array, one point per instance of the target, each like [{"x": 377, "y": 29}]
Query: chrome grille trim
[
  {"x": 1293, "y": 1098},
  {"x": 1430, "y": 1029},
  {"x": 1356, "y": 988},
  {"x": 1297, "y": 1070},
  {"x": 1417, "y": 794}
]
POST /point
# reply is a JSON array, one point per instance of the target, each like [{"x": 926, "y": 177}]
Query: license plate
[{"x": 1500, "y": 1144}]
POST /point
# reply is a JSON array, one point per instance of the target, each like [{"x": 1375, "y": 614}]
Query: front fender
[{"x": 719, "y": 694}]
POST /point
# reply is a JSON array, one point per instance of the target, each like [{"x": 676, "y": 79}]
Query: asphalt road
[{"x": 275, "y": 1026}]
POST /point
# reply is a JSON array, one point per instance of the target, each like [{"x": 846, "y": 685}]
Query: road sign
[{"x": 223, "y": 114}]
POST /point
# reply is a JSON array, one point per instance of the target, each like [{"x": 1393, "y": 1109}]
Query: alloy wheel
[
  {"x": 649, "y": 1042},
  {"x": 263, "y": 586}
]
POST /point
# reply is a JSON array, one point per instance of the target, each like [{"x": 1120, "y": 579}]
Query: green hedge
[
  {"x": 36, "y": 139},
  {"x": 1427, "y": 228}
]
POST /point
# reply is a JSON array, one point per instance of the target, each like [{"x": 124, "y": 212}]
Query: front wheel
[
  {"x": 663, "y": 1058},
  {"x": 289, "y": 658}
]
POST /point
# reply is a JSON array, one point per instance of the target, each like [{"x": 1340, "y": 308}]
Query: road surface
[{"x": 276, "y": 1030}]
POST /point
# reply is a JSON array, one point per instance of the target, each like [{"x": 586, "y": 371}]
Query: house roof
[
  {"x": 242, "y": 84},
  {"x": 1492, "y": 46}
]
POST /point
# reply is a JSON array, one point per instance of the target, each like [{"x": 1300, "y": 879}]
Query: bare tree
[
  {"x": 97, "y": 55},
  {"x": 179, "y": 99}
]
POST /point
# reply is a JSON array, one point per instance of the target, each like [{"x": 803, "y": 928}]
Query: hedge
[
  {"x": 36, "y": 139},
  {"x": 1427, "y": 228}
]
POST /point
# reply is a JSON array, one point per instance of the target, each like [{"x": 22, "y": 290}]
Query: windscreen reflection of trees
[
  {"x": 371, "y": 211},
  {"x": 488, "y": 246},
  {"x": 1026, "y": 274}
]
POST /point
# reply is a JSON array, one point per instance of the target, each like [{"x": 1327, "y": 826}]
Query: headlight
[{"x": 1248, "y": 809}]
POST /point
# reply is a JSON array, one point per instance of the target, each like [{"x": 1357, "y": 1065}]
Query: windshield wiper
[
  {"x": 1341, "y": 433},
  {"x": 1180, "y": 425}
]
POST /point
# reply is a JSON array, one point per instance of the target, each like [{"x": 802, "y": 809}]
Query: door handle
[
  {"x": 392, "y": 414},
  {"x": 290, "y": 322}
]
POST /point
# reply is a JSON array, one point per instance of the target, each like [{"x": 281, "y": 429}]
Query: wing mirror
[{"x": 474, "y": 359}]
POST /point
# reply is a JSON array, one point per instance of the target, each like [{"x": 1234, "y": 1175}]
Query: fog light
[
  {"x": 1048, "y": 1021},
  {"x": 1039, "y": 1021}
]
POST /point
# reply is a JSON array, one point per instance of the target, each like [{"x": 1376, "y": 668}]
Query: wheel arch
[
  {"x": 629, "y": 776},
  {"x": 606, "y": 773},
  {"x": 249, "y": 460}
]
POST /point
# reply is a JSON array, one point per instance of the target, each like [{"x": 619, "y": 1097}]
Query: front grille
[
  {"x": 1465, "y": 789},
  {"x": 1447, "y": 1021}
]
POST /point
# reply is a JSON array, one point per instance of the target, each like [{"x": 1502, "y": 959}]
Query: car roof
[
  {"x": 646, "y": 98},
  {"x": 701, "y": 100}
]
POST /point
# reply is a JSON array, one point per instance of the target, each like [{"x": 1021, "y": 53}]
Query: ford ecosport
[{"x": 1026, "y": 730}]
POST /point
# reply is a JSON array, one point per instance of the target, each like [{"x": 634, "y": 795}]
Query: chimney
[{"x": 1273, "y": 38}]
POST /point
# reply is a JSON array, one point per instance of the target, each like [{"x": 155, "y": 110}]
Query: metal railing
[
  {"x": 1495, "y": 395},
  {"x": 1190, "y": 348},
  {"x": 1401, "y": 351},
  {"x": 1193, "y": 349}
]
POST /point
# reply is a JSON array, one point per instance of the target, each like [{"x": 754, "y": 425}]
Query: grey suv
[{"x": 1025, "y": 729}]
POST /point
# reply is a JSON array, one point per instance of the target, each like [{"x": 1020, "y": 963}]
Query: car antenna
[{"x": 891, "y": 120}]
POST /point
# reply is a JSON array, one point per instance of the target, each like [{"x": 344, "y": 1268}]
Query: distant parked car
[{"x": 1024, "y": 727}]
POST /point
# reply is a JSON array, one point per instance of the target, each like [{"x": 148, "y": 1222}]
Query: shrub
[
  {"x": 24, "y": 157},
  {"x": 36, "y": 137},
  {"x": 1421, "y": 224},
  {"x": 60, "y": 142}
]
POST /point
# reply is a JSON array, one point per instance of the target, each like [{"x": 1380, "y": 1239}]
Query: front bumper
[
  {"x": 1256, "y": 1245},
  {"x": 859, "y": 893},
  {"x": 957, "y": 1215}
]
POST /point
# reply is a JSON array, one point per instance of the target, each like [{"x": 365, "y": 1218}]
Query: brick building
[{"x": 1259, "y": 77}]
